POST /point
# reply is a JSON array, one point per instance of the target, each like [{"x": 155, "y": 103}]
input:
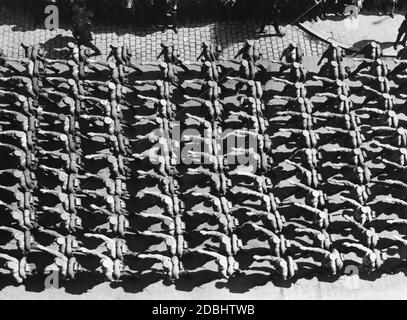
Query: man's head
[{"x": 71, "y": 45}]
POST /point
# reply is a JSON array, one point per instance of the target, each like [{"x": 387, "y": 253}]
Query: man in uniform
[
  {"x": 270, "y": 11},
  {"x": 81, "y": 28},
  {"x": 171, "y": 15}
]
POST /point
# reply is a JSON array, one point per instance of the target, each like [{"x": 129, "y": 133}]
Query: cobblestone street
[{"x": 16, "y": 27}]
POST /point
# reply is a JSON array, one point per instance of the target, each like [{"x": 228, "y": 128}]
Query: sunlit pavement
[{"x": 356, "y": 33}]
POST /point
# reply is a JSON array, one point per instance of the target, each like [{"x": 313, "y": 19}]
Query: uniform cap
[
  {"x": 108, "y": 120},
  {"x": 22, "y": 98},
  {"x": 67, "y": 100}
]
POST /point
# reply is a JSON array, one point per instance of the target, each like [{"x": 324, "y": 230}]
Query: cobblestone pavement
[
  {"x": 16, "y": 27},
  {"x": 356, "y": 34}
]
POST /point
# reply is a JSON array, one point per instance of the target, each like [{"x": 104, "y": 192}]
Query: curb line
[{"x": 344, "y": 46}]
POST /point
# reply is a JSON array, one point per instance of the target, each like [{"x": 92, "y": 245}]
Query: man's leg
[
  {"x": 174, "y": 21},
  {"x": 393, "y": 8},
  {"x": 277, "y": 28},
  {"x": 262, "y": 28},
  {"x": 323, "y": 9},
  {"x": 339, "y": 7}
]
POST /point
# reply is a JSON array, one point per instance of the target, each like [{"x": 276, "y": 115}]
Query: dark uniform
[
  {"x": 270, "y": 11},
  {"x": 171, "y": 14},
  {"x": 81, "y": 29},
  {"x": 168, "y": 13}
]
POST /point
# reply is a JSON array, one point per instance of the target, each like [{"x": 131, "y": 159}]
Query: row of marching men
[
  {"x": 67, "y": 99},
  {"x": 108, "y": 114},
  {"x": 343, "y": 142},
  {"x": 48, "y": 108},
  {"x": 215, "y": 163},
  {"x": 20, "y": 142},
  {"x": 321, "y": 216},
  {"x": 54, "y": 113},
  {"x": 199, "y": 122},
  {"x": 84, "y": 194},
  {"x": 85, "y": 176}
]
